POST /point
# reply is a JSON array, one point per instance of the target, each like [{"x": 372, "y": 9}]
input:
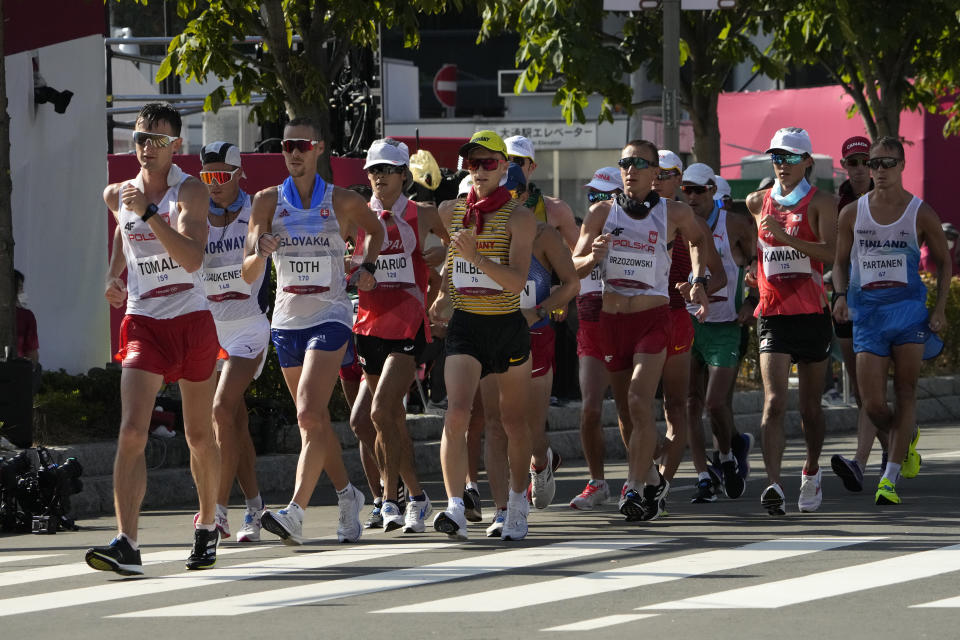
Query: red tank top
[
  {"x": 394, "y": 309},
  {"x": 680, "y": 268},
  {"x": 791, "y": 283}
]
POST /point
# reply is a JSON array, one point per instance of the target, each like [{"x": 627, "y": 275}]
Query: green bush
[{"x": 77, "y": 408}]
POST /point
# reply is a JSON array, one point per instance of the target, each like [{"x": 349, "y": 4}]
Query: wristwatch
[
  {"x": 151, "y": 211},
  {"x": 701, "y": 280},
  {"x": 370, "y": 267}
]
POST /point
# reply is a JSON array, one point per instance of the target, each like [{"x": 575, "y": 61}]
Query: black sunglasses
[
  {"x": 854, "y": 162},
  {"x": 634, "y": 161},
  {"x": 598, "y": 196},
  {"x": 666, "y": 175},
  {"x": 388, "y": 169},
  {"x": 694, "y": 188},
  {"x": 886, "y": 163},
  {"x": 520, "y": 160}
]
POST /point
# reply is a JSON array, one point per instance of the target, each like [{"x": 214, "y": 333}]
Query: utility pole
[
  {"x": 671, "y": 74},
  {"x": 8, "y": 293}
]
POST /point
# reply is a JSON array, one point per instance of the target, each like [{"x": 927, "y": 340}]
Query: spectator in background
[
  {"x": 28, "y": 343},
  {"x": 854, "y": 154}
]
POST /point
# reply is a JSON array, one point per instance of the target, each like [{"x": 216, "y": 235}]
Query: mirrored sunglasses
[
  {"x": 218, "y": 177},
  {"x": 786, "y": 158},
  {"x": 634, "y": 161},
  {"x": 155, "y": 140},
  {"x": 886, "y": 163},
  {"x": 487, "y": 164},
  {"x": 302, "y": 145},
  {"x": 666, "y": 175},
  {"x": 694, "y": 188},
  {"x": 598, "y": 196}
]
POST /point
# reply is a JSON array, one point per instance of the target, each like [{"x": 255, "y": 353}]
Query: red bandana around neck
[{"x": 477, "y": 207}]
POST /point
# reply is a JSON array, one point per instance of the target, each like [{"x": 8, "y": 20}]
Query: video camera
[{"x": 36, "y": 497}]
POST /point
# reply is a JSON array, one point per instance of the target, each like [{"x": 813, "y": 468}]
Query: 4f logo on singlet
[{"x": 617, "y": 231}]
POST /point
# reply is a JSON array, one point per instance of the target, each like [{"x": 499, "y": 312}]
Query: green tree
[
  {"x": 294, "y": 77},
  {"x": 565, "y": 39},
  {"x": 888, "y": 56}
]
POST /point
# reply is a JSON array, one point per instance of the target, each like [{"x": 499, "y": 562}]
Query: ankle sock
[
  {"x": 892, "y": 472},
  {"x": 255, "y": 504},
  {"x": 343, "y": 492},
  {"x": 455, "y": 504}
]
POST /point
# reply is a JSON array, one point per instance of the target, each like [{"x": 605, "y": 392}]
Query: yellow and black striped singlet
[{"x": 470, "y": 289}]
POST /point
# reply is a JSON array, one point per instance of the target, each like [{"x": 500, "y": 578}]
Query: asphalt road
[{"x": 723, "y": 570}]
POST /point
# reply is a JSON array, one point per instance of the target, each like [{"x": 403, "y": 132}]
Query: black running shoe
[
  {"x": 849, "y": 471},
  {"x": 704, "y": 492},
  {"x": 118, "y": 556},
  {"x": 741, "y": 444},
  {"x": 733, "y": 483},
  {"x": 654, "y": 497},
  {"x": 401, "y": 495},
  {"x": 204, "y": 554},
  {"x": 716, "y": 477},
  {"x": 631, "y": 506},
  {"x": 471, "y": 505}
]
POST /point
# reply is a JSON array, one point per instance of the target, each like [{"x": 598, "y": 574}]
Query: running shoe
[
  {"x": 810, "y": 494},
  {"x": 392, "y": 518},
  {"x": 375, "y": 520},
  {"x": 349, "y": 528},
  {"x": 887, "y": 493},
  {"x": 471, "y": 505},
  {"x": 515, "y": 524},
  {"x": 654, "y": 498},
  {"x": 911, "y": 463},
  {"x": 849, "y": 471},
  {"x": 401, "y": 494},
  {"x": 733, "y": 483},
  {"x": 742, "y": 444},
  {"x": 496, "y": 527},
  {"x": 595, "y": 494},
  {"x": 631, "y": 506},
  {"x": 250, "y": 531},
  {"x": 774, "y": 501},
  {"x": 285, "y": 524},
  {"x": 663, "y": 509},
  {"x": 543, "y": 484},
  {"x": 416, "y": 515},
  {"x": 204, "y": 554},
  {"x": 453, "y": 523},
  {"x": 118, "y": 556},
  {"x": 219, "y": 519},
  {"x": 716, "y": 476},
  {"x": 883, "y": 462},
  {"x": 623, "y": 490},
  {"x": 704, "y": 492}
]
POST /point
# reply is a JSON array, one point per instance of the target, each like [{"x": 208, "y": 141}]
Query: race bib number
[
  {"x": 301, "y": 275},
  {"x": 225, "y": 283},
  {"x": 785, "y": 262},
  {"x": 593, "y": 283},
  {"x": 528, "y": 298},
  {"x": 631, "y": 269},
  {"x": 395, "y": 272},
  {"x": 160, "y": 276},
  {"x": 883, "y": 271},
  {"x": 468, "y": 280}
]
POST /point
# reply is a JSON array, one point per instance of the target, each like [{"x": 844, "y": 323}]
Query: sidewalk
[{"x": 170, "y": 483}]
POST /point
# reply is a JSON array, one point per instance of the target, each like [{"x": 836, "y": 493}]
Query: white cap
[
  {"x": 220, "y": 151},
  {"x": 792, "y": 139},
  {"x": 670, "y": 160},
  {"x": 519, "y": 146},
  {"x": 465, "y": 185},
  {"x": 698, "y": 173},
  {"x": 723, "y": 187},
  {"x": 387, "y": 151},
  {"x": 606, "y": 179}
]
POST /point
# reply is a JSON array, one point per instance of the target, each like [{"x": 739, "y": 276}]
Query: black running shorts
[
  {"x": 806, "y": 337},
  {"x": 373, "y": 351},
  {"x": 498, "y": 342}
]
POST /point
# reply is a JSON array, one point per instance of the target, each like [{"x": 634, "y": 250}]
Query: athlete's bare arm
[
  {"x": 560, "y": 217},
  {"x": 351, "y": 207},
  {"x": 559, "y": 261},
  {"x": 681, "y": 218},
  {"x": 822, "y": 217},
  {"x": 260, "y": 239},
  {"x": 841, "y": 264},
  {"x": 429, "y": 221},
  {"x": 930, "y": 232},
  {"x": 115, "y": 290},
  {"x": 592, "y": 245},
  {"x": 718, "y": 275},
  {"x": 743, "y": 239}
]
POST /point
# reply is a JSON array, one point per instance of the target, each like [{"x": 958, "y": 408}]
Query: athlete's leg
[
  {"x": 594, "y": 381},
  {"x": 907, "y": 359},
  {"x": 475, "y": 430},
  {"x": 461, "y": 376},
  {"x": 515, "y": 394},
  {"x": 197, "y": 402},
  {"x": 719, "y": 408},
  {"x": 810, "y": 382},
  {"x": 695, "y": 406},
  {"x": 676, "y": 388},
  {"x": 538, "y": 405},
  {"x": 774, "y": 369},
  {"x": 647, "y": 370},
  {"x": 495, "y": 448},
  {"x": 866, "y": 432},
  {"x": 620, "y": 385},
  {"x": 366, "y": 433},
  {"x": 138, "y": 394},
  {"x": 231, "y": 424},
  {"x": 394, "y": 447}
]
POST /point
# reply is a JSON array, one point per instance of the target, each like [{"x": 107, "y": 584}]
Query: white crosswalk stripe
[
  {"x": 398, "y": 579},
  {"x": 946, "y": 603},
  {"x": 25, "y": 558},
  {"x": 191, "y": 579},
  {"x": 629, "y": 577}
]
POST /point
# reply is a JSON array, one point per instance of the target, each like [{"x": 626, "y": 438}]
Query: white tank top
[
  {"x": 723, "y": 303},
  {"x": 638, "y": 262},
  {"x": 311, "y": 288},
  {"x": 157, "y": 286},
  {"x": 228, "y": 295}
]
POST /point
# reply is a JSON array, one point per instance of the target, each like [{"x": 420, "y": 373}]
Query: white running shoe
[
  {"x": 773, "y": 500},
  {"x": 496, "y": 527},
  {"x": 417, "y": 512},
  {"x": 349, "y": 528},
  {"x": 285, "y": 524},
  {"x": 452, "y": 522},
  {"x": 250, "y": 531},
  {"x": 594, "y": 495},
  {"x": 515, "y": 526},
  {"x": 219, "y": 519},
  {"x": 543, "y": 484},
  {"x": 392, "y": 518},
  {"x": 810, "y": 494}
]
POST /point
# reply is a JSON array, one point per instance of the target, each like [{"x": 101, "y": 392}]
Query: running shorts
[
  {"x": 372, "y": 352},
  {"x": 350, "y": 369},
  {"x": 245, "y": 338},
  {"x": 497, "y": 342},
  {"x": 906, "y": 322},
  {"x": 805, "y": 336},
  {"x": 292, "y": 344},
  {"x": 681, "y": 332},
  {"x": 543, "y": 342},
  {"x": 625, "y": 334},
  {"x": 184, "y": 347},
  {"x": 717, "y": 344},
  {"x": 588, "y": 340}
]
